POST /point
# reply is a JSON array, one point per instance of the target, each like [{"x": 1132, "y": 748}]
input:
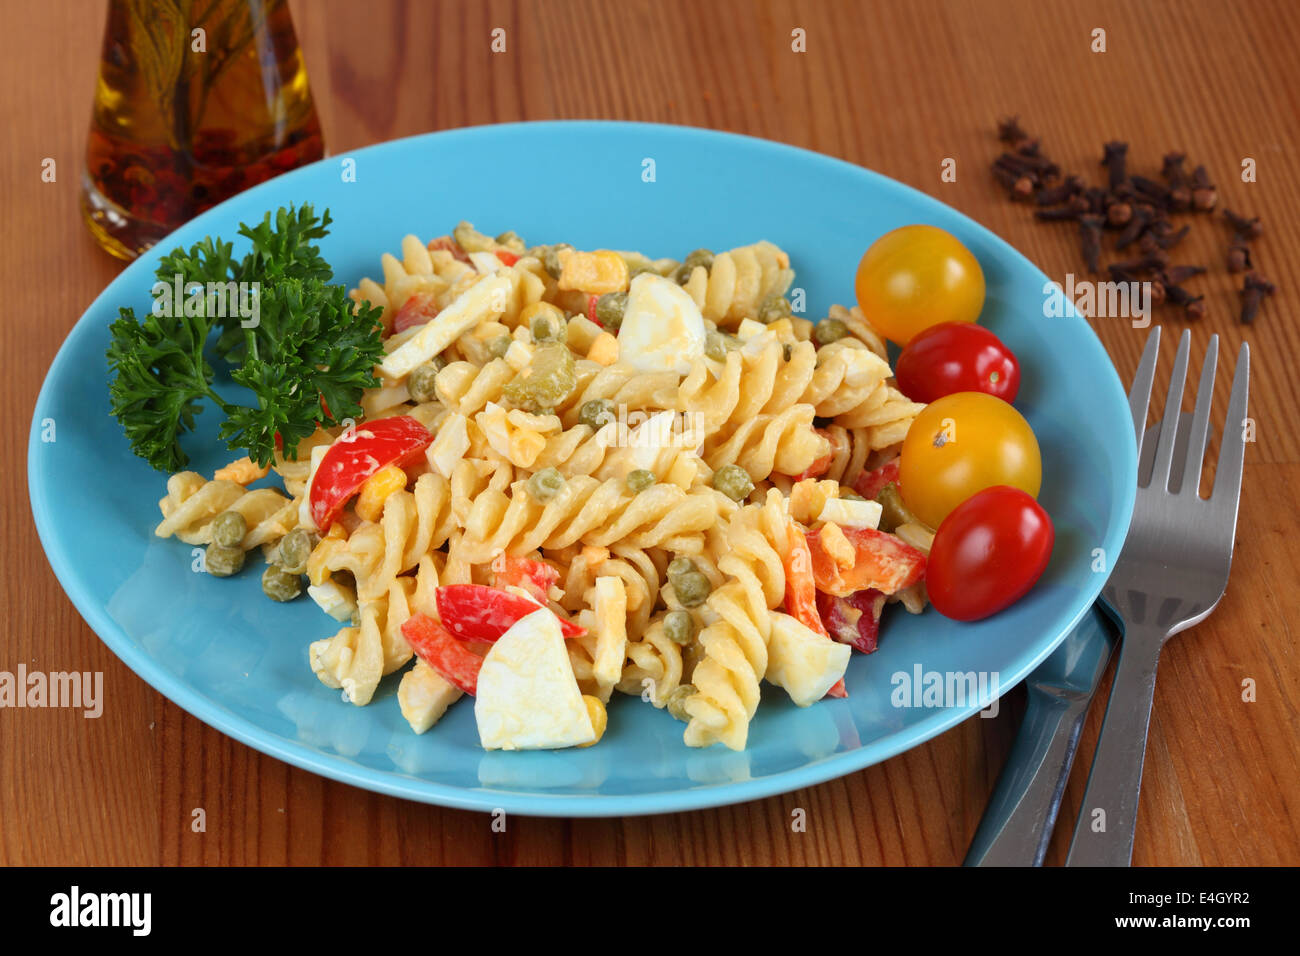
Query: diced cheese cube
[
  {"x": 449, "y": 445},
  {"x": 748, "y": 328},
  {"x": 518, "y": 355},
  {"x": 486, "y": 262},
  {"x": 848, "y": 513},
  {"x": 486, "y": 298}
]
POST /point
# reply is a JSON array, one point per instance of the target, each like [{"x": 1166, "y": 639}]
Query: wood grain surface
[{"x": 895, "y": 86}]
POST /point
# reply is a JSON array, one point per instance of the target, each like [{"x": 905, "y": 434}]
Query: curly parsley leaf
[{"x": 307, "y": 359}]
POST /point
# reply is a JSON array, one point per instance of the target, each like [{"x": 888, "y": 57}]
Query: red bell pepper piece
[
  {"x": 416, "y": 310},
  {"x": 476, "y": 612},
  {"x": 854, "y": 619},
  {"x": 357, "y": 455},
  {"x": 448, "y": 244},
  {"x": 801, "y": 593},
  {"x": 507, "y": 257},
  {"x": 434, "y": 645},
  {"x": 881, "y": 561},
  {"x": 535, "y": 577},
  {"x": 871, "y": 483},
  {"x": 591, "y": 309}
]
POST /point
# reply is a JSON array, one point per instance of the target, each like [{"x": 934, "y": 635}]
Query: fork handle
[{"x": 1105, "y": 838}]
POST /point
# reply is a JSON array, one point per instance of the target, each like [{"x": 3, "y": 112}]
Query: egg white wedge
[
  {"x": 805, "y": 663},
  {"x": 527, "y": 696},
  {"x": 662, "y": 328}
]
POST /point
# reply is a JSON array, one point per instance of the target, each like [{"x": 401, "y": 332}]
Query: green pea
[
  {"x": 228, "y": 529},
  {"x": 679, "y": 627},
  {"x": 892, "y": 510},
  {"x": 700, "y": 257},
  {"x": 676, "y": 702},
  {"x": 545, "y": 484},
  {"x": 596, "y": 413},
  {"x": 680, "y": 566},
  {"x": 221, "y": 561},
  {"x": 294, "y": 550},
  {"x": 610, "y": 308},
  {"x": 639, "y": 480},
  {"x": 733, "y": 481},
  {"x": 542, "y": 328},
  {"x": 692, "y": 588},
  {"x": 498, "y": 347},
  {"x": 682, "y": 274},
  {"x": 420, "y": 383},
  {"x": 787, "y": 350},
  {"x": 772, "y": 308},
  {"x": 718, "y": 344},
  {"x": 509, "y": 238},
  {"x": 470, "y": 239},
  {"x": 279, "y": 585},
  {"x": 829, "y": 330},
  {"x": 552, "y": 378},
  {"x": 551, "y": 261}
]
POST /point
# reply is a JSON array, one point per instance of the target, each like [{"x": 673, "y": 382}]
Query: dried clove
[
  {"x": 1153, "y": 262},
  {"x": 1245, "y": 228},
  {"x": 1090, "y": 226},
  {"x": 1062, "y": 192},
  {"x": 1253, "y": 294},
  {"x": 1119, "y": 214},
  {"x": 1195, "y": 309},
  {"x": 1009, "y": 130},
  {"x": 1204, "y": 195},
  {"x": 1076, "y": 207},
  {"x": 1114, "y": 158},
  {"x": 1157, "y": 194},
  {"x": 1239, "y": 256},
  {"x": 1137, "y": 224},
  {"x": 1177, "y": 275}
]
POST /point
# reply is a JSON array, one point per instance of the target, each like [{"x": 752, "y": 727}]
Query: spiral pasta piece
[
  {"x": 738, "y": 281},
  {"x": 192, "y": 502},
  {"x": 786, "y": 443},
  {"x": 585, "y": 509}
]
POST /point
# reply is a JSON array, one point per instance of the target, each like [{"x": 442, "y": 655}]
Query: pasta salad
[{"x": 571, "y": 473}]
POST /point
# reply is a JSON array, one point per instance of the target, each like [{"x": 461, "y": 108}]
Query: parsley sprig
[{"x": 307, "y": 360}]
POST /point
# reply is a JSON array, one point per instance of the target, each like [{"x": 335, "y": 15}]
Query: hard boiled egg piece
[
  {"x": 528, "y": 698},
  {"x": 662, "y": 328}
]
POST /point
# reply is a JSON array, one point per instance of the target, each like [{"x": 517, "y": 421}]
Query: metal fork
[{"x": 1171, "y": 574}]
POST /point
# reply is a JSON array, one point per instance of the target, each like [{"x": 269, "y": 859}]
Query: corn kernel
[
  {"x": 593, "y": 272},
  {"x": 599, "y": 717},
  {"x": 604, "y": 349},
  {"x": 370, "y": 504}
]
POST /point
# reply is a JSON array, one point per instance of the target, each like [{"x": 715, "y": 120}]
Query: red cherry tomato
[
  {"x": 988, "y": 553},
  {"x": 358, "y": 454},
  {"x": 957, "y": 357},
  {"x": 871, "y": 483}
]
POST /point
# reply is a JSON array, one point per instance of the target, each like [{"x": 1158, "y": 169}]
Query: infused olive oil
[{"x": 195, "y": 101}]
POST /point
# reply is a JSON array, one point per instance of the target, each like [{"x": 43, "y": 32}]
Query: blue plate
[{"x": 223, "y": 652}]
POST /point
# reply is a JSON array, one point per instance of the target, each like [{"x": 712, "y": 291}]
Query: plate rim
[{"x": 533, "y": 803}]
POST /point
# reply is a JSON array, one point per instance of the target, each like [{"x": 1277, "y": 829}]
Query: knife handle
[{"x": 1017, "y": 824}]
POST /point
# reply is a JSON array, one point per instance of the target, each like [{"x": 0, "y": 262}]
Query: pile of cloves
[{"x": 1137, "y": 209}]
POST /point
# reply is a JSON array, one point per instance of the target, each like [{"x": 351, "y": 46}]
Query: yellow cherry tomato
[
  {"x": 962, "y": 444},
  {"x": 916, "y": 277}
]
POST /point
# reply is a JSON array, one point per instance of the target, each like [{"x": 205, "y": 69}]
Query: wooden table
[{"x": 897, "y": 87}]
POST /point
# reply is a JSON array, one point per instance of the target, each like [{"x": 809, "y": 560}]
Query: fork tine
[
  {"x": 1173, "y": 405},
  {"x": 1200, "y": 420},
  {"x": 1139, "y": 396},
  {"x": 1232, "y": 448}
]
